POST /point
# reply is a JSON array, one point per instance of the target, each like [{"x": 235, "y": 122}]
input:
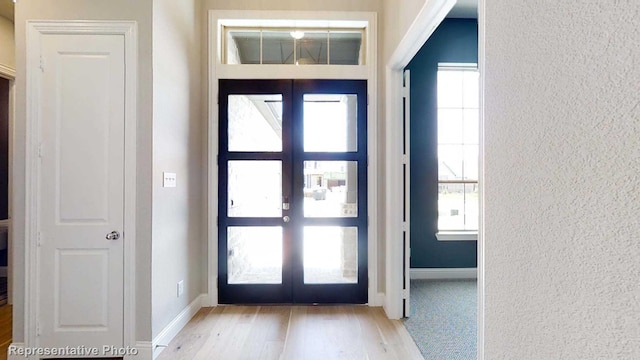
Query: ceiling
[
  {"x": 6, "y": 9},
  {"x": 464, "y": 9}
]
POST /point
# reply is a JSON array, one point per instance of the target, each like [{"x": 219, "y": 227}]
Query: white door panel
[{"x": 82, "y": 118}]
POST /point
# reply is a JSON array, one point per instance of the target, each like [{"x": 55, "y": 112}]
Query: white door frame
[
  {"x": 217, "y": 70},
  {"x": 427, "y": 20},
  {"x": 35, "y": 30},
  {"x": 9, "y": 73}
]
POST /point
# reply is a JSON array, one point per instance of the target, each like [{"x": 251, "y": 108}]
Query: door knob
[
  {"x": 286, "y": 219},
  {"x": 114, "y": 235}
]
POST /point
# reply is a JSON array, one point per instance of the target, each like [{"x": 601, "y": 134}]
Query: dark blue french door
[{"x": 292, "y": 213}]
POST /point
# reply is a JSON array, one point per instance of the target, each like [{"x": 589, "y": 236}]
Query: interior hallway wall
[
  {"x": 177, "y": 144},
  {"x": 7, "y": 43},
  {"x": 562, "y": 118},
  {"x": 139, "y": 11}
]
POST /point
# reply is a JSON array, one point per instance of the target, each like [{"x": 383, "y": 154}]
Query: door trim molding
[
  {"x": 35, "y": 31},
  {"x": 429, "y": 17},
  {"x": 427, "y": 20},
  {"x": 216, "y": 71},
  {"x": 7, "y": 72}
]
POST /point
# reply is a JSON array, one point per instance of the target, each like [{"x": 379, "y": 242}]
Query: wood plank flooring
[
  {"x": 5, "y": 330},
  {"x": 292, "y": 332}
]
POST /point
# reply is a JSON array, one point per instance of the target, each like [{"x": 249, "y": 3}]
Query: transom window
[
  {"x": 294, "y": 46},
  {"x": 458, "y": 147}
]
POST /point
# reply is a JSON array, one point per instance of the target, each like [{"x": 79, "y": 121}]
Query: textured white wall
[
  {"x": 7, "y": 43},
  {"x": 140, "y": 11},
  {"x": 177, "y": 143},
  {"x": 562, "y": 179}
]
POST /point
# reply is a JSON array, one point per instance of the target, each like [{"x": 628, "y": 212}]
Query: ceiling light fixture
[{"x": 297, "y": 34}]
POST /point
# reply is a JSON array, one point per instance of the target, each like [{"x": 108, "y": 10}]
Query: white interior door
[{"x": 81, "y": 197}]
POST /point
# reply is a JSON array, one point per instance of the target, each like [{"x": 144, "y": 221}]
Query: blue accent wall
[{"x": 454, "y": 41}]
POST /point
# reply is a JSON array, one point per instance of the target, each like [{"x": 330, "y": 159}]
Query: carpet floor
[{"x": 443, "y": 320}]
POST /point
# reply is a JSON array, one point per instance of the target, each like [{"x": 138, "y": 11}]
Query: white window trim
[
  {"x": 218, "y": 70},
  {"x": 444, "y": 235}
]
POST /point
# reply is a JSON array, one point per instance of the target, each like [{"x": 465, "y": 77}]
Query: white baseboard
[
  {"x": 380, "y": 299},
  {"x": 144, "y": 351},
  {"x": 377, "y": 301},
  {"x": 443, "y": 273},
  {"x": 163, "y": 339}
]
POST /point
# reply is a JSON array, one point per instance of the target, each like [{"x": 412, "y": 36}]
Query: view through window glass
[{"x": 458, "y": 147}]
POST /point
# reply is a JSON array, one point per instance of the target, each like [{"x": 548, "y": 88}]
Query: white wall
[
  {"x": 177, "y": 144},
  {"x": 139, "y": 11},
  {"x": 397, "y": 18},
  {"x": 7, "y": 43},
  {"x": 562, "y": 125}
]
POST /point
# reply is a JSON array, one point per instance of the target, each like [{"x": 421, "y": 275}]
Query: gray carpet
[{"x": 443, "y": 319}]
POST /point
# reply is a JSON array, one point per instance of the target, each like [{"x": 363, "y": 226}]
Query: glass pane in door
[
  {"x": 255, "y": 122},
  {"x": 254, "y": 255},
  {"x": 330, "y": 122},
  {"x": 330, "y": 188},
  {"x": 330, "y": 255},
  {"x": 255, "y": 188}
]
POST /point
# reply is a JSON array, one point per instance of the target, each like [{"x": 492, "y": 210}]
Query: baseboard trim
[
  {"x": 144, "y": 350},
  {"x": 377, "y": 300},
  {"x": 443, "y": 273},
  {"x": 163, "y": 339}
]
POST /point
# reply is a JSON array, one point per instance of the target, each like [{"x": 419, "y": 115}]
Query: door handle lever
[{"x": 114, "y": 235}]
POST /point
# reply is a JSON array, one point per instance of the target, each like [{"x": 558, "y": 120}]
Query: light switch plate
[{"x": 168, "y": 179}]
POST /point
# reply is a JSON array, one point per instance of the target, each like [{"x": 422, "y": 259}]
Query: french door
[{"x": 292, "y": 216}]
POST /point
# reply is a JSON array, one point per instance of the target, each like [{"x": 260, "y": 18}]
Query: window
[
  {"x": 299, "y": 46},
  {"x": 458, "y": 147}
]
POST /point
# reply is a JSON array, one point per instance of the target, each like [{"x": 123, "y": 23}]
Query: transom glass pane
[{"x": 299, "y": 46}]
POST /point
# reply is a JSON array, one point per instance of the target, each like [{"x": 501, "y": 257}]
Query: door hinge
[
  {"x": 405, "y": 294},
  {"x": 41, "y": 63},
  {"x": 39, "y": 239},
  {"x": 405, "y": 226},
  {"x": 405, "y": 92},
  {"x": 405, "y": 159}
]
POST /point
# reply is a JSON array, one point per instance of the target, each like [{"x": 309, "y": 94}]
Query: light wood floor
[
  {"x": 5, "y": 330},
  {"x": 292, "y": 332}
]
